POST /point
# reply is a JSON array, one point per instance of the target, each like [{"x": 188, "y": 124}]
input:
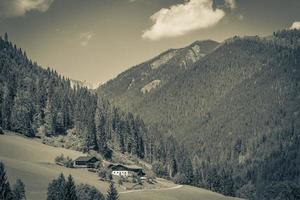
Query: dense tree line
[{"x": 17, "y": 192}]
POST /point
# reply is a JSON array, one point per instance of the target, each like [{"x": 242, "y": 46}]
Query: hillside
[
  {"x": 133, "y": 86},
  {"x": 33, "y": 162},
  {"x": 236, "y": 107}
]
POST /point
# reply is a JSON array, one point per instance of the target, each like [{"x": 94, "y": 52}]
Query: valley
[{"x": 33, "y": 162}]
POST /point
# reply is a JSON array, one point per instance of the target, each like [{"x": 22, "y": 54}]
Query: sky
[{"x": 95, "y": 40}]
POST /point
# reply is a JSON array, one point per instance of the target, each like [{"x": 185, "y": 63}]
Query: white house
[{"x": 126, "y": 170}]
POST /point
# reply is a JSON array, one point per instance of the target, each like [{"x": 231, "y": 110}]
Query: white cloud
[
  {"x": 85, "y": 38},
  {"x": 230, "y": 3},
  {"x": 183, "y": 18},
  {"x": 16, "y": 8},
  {"x": 295, "y": 25}
]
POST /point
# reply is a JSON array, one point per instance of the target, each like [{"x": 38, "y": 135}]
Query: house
[
  {"x": 126, "y": 170},
  {"x": 85, "y": 162}
]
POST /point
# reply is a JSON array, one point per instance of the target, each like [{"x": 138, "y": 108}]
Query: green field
[{"x": 33, "y": 162}]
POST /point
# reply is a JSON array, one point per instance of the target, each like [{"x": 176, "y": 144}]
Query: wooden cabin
[{"x": 85, "y": 162}]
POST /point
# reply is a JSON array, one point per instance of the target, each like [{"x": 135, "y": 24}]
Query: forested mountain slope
[
  {"x": 236, "y": 108},
  {"x": 131, "y": 87}
]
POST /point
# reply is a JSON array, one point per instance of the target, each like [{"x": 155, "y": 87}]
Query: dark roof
[
  {"x": 85, "y": 158},
  {"x": 133, "y": 167}
]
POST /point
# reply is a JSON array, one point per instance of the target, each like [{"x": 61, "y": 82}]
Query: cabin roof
[
  {"x": 134, "y": 167},
  {"x": 85, "y": 158}
]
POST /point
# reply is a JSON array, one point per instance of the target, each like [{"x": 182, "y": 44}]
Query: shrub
[
  {"x": 68, "y": 162},
  {"x": 134, "y": 180},
  {"x": 61, "y": 160},
  {"x": 102, "y": 173},
  {"x": 120, "y": 181},
  {"x": 159, "y": 169},
  {"x": 180, "y": 179},
  {"x": 109, "y": 176},
  {"x": 139, "y": 181},
  {"x": 98, "y": 164},
  {"x": 1, "y": 131}
]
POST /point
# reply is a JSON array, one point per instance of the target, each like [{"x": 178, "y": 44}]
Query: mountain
[
  {"x": 133, "y": 86},
  {"x": 237, "y": 106}
]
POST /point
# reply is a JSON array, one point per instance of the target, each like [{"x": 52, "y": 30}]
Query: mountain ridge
[
  {"x": 236, "y": 107},
  {"x": 159, "y": 68}
]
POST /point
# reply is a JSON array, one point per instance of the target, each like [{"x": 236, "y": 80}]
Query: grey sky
[{"x": 95, "y": 40}]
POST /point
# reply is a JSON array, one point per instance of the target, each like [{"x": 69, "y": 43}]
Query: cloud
[
  {"x": 85, "y": 38},
  {"x": 16, "y": 8},
  {"x": 295, "y": 25},
  {"x": 183, "y": 18}
]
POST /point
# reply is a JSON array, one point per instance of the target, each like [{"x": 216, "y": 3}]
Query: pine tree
[
  {"x": 100, "y": 122},
  {"x": 6, "y": 37},
  {"x": 6, "y": 106},
  {"x": 56, "y": 189},
  {"x": 70, "y": 189},
  {"x": 173, "y": 171},
  {"x": 19, "y": 190},
  {"x": 22, "y": 114},
  {"x": 49, "y": 119},
  {"x": 5, "y": 190},
  {"x": 87, "y": 192},
  {"x": 112, "y": 193}
]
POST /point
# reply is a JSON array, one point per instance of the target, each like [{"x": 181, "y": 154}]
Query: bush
[
  {"x": 109, "y": 176},
  {"x": 98, "y": 165},
  {"x": 139, "y": 181},
  {"x": 180, "y": 179},
  {"x": 102, "y": 173},
  {"x": 159, "y": 169},
  {"x": 61, "y": 160},
  {"x": 134, "y": 180},
  {"x": 107, "y": 153},
  {"x": 120, "y": 181},
  {"x": 1, "y": 131}
]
